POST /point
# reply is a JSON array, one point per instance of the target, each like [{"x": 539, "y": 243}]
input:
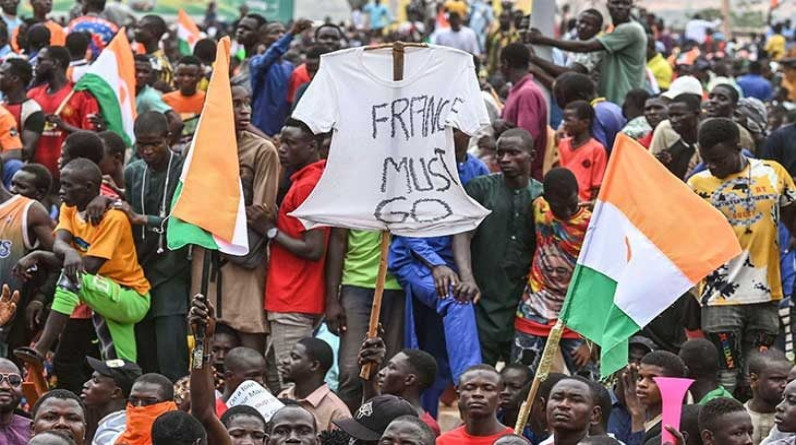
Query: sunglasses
[{"x": 14, "y": 380}]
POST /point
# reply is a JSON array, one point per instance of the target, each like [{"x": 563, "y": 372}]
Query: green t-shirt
[
  {"x": 624, "y": 66},
  {"x": 715, "y": 394},
  {"x": 361, "y": 263}
]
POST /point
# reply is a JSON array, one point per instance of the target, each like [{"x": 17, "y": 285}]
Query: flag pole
[{"x": 542, "y": 372}]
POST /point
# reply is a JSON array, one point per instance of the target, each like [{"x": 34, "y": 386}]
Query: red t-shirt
[
  {"x": 296, "y": 284},
  {"x": 460, "y": 437},
  {"x": 431, "y": 422},
  {"x": 299, "y": 77},
  {"x": 75, "y": 113},
  {"x": 587, "y": 162}
]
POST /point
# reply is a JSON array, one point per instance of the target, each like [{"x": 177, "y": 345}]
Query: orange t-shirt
[
  {"x": 111, "y": 240},
  {"x": 185, "y": 105},
  {"x": 57, "y": 35},
  {"x": 587, "y": 162},
  {"x": 9, "y": 132}
]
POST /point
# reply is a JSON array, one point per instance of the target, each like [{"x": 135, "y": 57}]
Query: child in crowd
[{"x": 580, "y": 152}]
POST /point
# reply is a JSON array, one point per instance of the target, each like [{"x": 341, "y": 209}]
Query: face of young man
[
  {"x": 392, "y": 379},
  {"x": 187, "y": 77},
  {"x": 770, "y": 384},
  {"x": 722, "y": 159},
  {"x": 570, "y": 407},
  {"x": 241, "y": 107},
  {"x": 98, "y": 390},
  {"x": 731, "y": 429},
  {"x": 785, "y": 416},
  {"x": 75, "y": 189},
  {"x": 683, "y": 120},
  {"x": 513, "y": 382},
  {"x": 246, "y": 430},
  {"x": 296, "y": 147},
  {"x": 153, "y": 148},
  {"x": 479, "y": 393},
  {"x": 297, "y": 365},
  {"x": 720, "y": 103},
  {"x": 293, "y": 425},
  {"x": 646, "y": 389},
  {"x": 513, "y": 158},
  {"x": 10, "y": 386},
  {"x": 24, "y": 183},
  {"x": 63, "y": 415},
  {"x": 403, "y": 433}
]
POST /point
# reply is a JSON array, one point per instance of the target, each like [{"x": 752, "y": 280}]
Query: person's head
[
  {"x": 602, "y": 398},
  {"x": 590, "y": 23},
  {"x": 656, "y": 364},
  {"x": 409, "y": 370},
  {"x": 77, "y": 44},
  {"x": 241, "y": 107},
  {"x": 479, "y": 391},
  {"x": 60, "y": 410},
  {"x": 310, "y": 358},
  {"x": 10, "y": 386},
  {"x": 243, "y": 364},
  {"x": 245, "y": 425},
  {"x": 561, "y": 193},
  {"x": 689, "y": 425},
  {"x": 455, "y": 20},
  {"x": 720, "y": 147},
  {"x": 514, "y": 58},
  {"x": 52, "y": 438},
  {"x": 330, "y": 36},
  {"x": 187, "y": 75},
  {"x": 150, "y": 29},
  {"x": 538, "y": 417},
  {"x": 755, "y": 67},
  {"x": 152, "y": 137},
  {"x": 722, "y": 100},
  {"x": 110, "y": 383},
  {"x": 572, "y": 408},
  {"x": 93, "y": 6},
  {"x": 81, "y": 144},
  {"x": 41, "y": 7},
  {"x": 114, "y": 149},
  {"x": 515, "y": 152},
  {"x": 619, "y": 10},
  {"x": 80, "y": 183},
  {"x": 684, "y": 111},
  {"x": 511, "y": 439},
  {"x": 9, "y": 6},
  {"x": 785, "y": 416},
  {"x": 633, "y": 106},
  {"x": 578, "y": 118},
  {"x": 515, "y": 377},
  {"x": 178, "y": 428},
  {"x": 768, "y": 375},
  {"x": 292, "y": 424},
  {"x": 407, "y": 430},
  {"x": 144, "y": 72},
  {"x": 701, "y": 358},
  {"x": 724, "y": 421},
  {"x": 372, "y": 418},
  {"x": 313, "y": 59},
  {"x": 298, "y": 146},
  {"x": 224, "y": 340},
  {"x": 52, "y": 60},
  {"x": 572, "y": 86},
  {"x": 37, "y": 37},
  {"x": 32, "y": 181},
  {"x": 247, "y": 32},
  {"x": 205, "y": 50},
  {"x": 504, "y": 19},
  {"x": 656, "y": 110},
  {"x": 272, "y": 32},
  {"x": 15, "y": 74},
  {"x": 151, "y": 389}
]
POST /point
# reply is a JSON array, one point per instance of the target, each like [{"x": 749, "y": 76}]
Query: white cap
[{"x": 684, "y": 84}]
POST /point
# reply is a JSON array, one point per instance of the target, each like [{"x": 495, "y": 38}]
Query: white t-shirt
[
  {"x": 391, "y": 165},
  {"x": 464, "y": 39}
]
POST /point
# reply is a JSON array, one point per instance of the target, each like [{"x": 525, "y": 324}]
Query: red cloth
[
  {"x": 588, "y": 162},
  {"x": 75, "y": 113},
  {"x": 526, "y": 108},
  {"x": 299, "y": 77},
  {"x": 460, "y": 437},
  {"x": 431, "y": 422},
  {"x": 221, "y": 408},
  {"x": 294, "y": 284}
]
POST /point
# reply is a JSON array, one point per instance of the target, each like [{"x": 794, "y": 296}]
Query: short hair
[
  {"x": 39, "y": 34},
  {"x": 636, "y": 97},
  {"x": 85, "y": 144},
  {"x": 700, "y": 357},
  {"x": 318, "y": 350},
  {"x": 151, "y": 122},
  {"x": 516, "y": 55},
  {"x": 546, "y": 387},
  {"x": 671, "y": 364},
  {"x": 689, "y": 421},
  {"x": 157, "y": 23},
  {"x": 289, "y": 404},
  {"x": 329, "y": 25},
  {"x": 522, "y": 134},
  {"x": 61, "y": 394},
  {"x": 241, "y": 411},
  {"x": 177, "y": 428},
  {"x": 291, "y": 122},
  {"x": 143, "y": 58},
  {"x": 692, "y": 101},
  {"x": 77, "y": 43},
  {"x": 734, "y": 96},
  {"x": 560, "y": 182},
  {"x": 205, "y": 49},
  {"x": 97, "y": 4},
  {"x": 583, "y": 110},
  {"x": 258, "y": 18},
  {"x": 481, "y": 367},
  {"x": 755, "y": 67},
  {"x": 21, "y": 68},
  {"x": 759, "y": 361},
  {"x": 511, "y": 439},
  {"x": 572, "y": 86},
  {"x": 424, "y": 366},
  {"x": 237, "y": 357},
  {"x": 711, "y": 411},
  {"x": 60, "y": 54},
  {"x": 528, "y": 374},
  {"x": 602, "y": 398},
  {"x": 43, "y": 179},
  {"x": 597, "y": 14},
  {"x": 593, "y": 392},
  {"x": 316, "y": 51},
  {"x": 716, "y": 131},
  {"x": 89, "y": 169},
  {"x": 112, "y": 142},
  {"x": 54, "y": 434},
  {"x": 427, "y": 436},
  {"x": 153, "y": 378},
  {"x": 190, "y": 60},
  {"x": 224, "y": 329}
]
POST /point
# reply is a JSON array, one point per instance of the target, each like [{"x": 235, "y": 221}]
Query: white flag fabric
[{"x": 392, "y": 165}]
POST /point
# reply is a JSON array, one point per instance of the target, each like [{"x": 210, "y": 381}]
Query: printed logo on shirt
[
  {"x": 5, "y": 248},
  {"x": 586, "y": 163}
]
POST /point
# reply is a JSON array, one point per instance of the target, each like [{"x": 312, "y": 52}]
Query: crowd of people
[{"x": 94, "y": 302}]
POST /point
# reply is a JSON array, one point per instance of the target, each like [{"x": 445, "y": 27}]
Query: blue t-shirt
[
  {"x": 755, "y": 85},
  {"x": 608, "y": 122},
  {"x": 270, "y": 76},
  {"x": 379, "y": 15}
]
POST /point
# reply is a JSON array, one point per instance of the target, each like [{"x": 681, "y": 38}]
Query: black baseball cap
[
  {"x": 373, "y": 417},
  {"x": 123, "y": 372}
]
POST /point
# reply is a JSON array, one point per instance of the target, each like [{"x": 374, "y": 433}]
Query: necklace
[{"x": 162, "y": 210}]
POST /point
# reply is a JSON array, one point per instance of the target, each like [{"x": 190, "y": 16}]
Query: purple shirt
[
  {"x": 15, "y": 433},
  {"x": 526, "y": 108}
]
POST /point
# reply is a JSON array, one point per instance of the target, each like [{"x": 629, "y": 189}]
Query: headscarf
[{"x": 756, "y": 114}]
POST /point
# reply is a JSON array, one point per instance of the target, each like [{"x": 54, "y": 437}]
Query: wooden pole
[{"x": 545, "y": 365}]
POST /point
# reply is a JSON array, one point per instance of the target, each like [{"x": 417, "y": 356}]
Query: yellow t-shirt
[
  {"x": 775, "y": 46},
  {"x": 111, "y": 240},
  {"x": 751, "y": 202},
  {"x": 661, "y": 70}
]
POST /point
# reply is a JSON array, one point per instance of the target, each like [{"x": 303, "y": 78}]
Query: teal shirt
[
  {"x": 624, "y": 66},
  {"x": 148, "y": 99}
]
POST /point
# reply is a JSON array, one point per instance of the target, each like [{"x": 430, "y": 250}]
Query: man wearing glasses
[{"x": 14, "y": 429}]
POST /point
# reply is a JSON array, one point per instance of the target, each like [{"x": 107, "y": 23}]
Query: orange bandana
[{"x": 138, "y": 428}]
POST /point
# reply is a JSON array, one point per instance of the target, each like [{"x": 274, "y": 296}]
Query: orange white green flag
[
  {"x": 208, "y": 208},
  {"x": 650, "y": 240},
  {"x": 187, "y": 33}
]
